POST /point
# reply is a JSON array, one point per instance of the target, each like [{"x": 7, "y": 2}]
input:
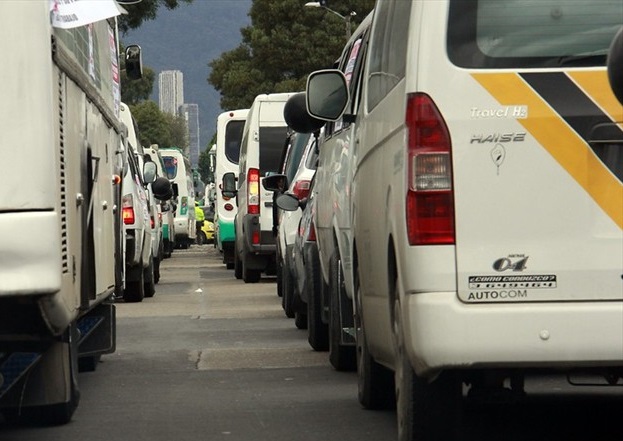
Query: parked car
[
  {"x": 451, "y": 288},
  {"x": 262, "y": 143},
  {"x": 178, "y": 170},
  {"x": 136, "y": 215}
]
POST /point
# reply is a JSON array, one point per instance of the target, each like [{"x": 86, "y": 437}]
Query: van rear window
[
  {"x": 272, "y": 143},
  {"x": 170, "y": 166},
  {"x": 233, "y": 137},
  {"x": 532, "y": 33}
]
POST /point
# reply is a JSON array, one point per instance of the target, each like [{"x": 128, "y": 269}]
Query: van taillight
[
  {"x": 127, "y": 209},
  {"x": 430, "y": 196},
  {"x": 301, "y": 188},
  {"x": 253, "y": 193}
]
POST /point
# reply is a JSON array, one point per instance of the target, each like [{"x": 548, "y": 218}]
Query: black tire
[
  {"x": 156, "y": 270},
  {"x": 300, "y": 320},
  {"x": 318, "y": 331},
  {"x": 279, "y": 277},
  {"x": 229, "y": 265},
  {"x": 237, "y": 264},
  {"x": 148, "y": 278},
  {"x": 342, "y": 357},
  {"x": 375, "y": 383},
  {"x": 425, "y": 410},
  {"x": 287, "y": 290},
  {"x": 134, "y": 290},
  {"x": 201, "y": 238}
]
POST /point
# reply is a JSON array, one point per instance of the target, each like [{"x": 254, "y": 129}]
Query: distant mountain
[{"x": 187, "y": 39}]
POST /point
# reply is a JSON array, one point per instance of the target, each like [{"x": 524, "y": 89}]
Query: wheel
[
  {"x": 375, "y": 383},
  {"x": 318, "y": 331},
  {"x": 237, "y": 264},
  {"x": 287, "y": 289},
  {"x": 156, "y": 270},
  {"x": 201, "y": 238},
  {"x": 134, "y": 289},
  {"x": 229, "y": 265},
  {"x": 149, "y": 279},
  {"x": 279, "y": 279},
  {"x": 425, "y": 410},
  {"x": 342, "y": 357},
  {"x": 250, "y": 275},
  {"x": 300, "y": 320}
]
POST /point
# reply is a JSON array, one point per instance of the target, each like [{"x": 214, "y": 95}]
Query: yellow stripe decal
[
  {"x": 564, "y": 144},
  {"x": 595, "y": 84}
]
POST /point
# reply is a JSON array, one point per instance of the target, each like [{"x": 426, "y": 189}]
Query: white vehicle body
[
  {"x": 263, "y": 140},
  {"x": 487, "y": 201},
  {"x": 166, "y": 208},
  {"x": 136, "y": 213},
  {"x": 59, "y": 220},
  {"x": 179, "y": 172},
  {"x": 229, "y": 127},
  {"x": 332, "y": 216}
]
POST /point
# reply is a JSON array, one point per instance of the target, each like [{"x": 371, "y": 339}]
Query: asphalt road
[{"x": 212, "y": 358}]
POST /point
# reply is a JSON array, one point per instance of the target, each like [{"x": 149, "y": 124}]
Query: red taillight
[
  {"x": 228, "y": 207},
  {"x": 253, "y": 191},
  {"x": 127, "y": 210},
  {"x": 152, "y": 222},
  {"x": 430, "y": 196},
  {"x": 255, "y": 237},
  {"x": 311, "y": 232},
  {"x": 301, "y": 188},
  {"x": 160, "y": 219}
]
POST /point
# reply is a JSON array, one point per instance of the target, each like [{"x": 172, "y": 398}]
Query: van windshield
[
  {"x": 532, "y": 33},
  {"x": 233, "y": 136},
  {"x": 170, "y": 166},
  {"x": 272, "y": 143}
]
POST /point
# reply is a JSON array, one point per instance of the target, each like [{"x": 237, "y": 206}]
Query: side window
[{"x": 388, "y": 48}]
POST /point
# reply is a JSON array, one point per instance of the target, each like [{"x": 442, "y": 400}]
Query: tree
[
  {"x": 284, "y": 43},
  {"x": 135, "y": 91},
  {"x": 152, "y": 123},
  {"x": 178, "y": 131},
  {"x": 145, "y": 10}
]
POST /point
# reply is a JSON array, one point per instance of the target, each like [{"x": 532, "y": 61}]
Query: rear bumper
[
  {"x": 256, "y": 240},
  {"x": 32, "y": 257},
  {"x": 444, "y": 333}
]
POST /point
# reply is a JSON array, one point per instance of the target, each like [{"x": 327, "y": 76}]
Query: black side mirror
[
  {"x": 162, "y": 189},
  {"x": 229, "y": 185},
  {"x": 277, "y": 183},
  {"x": 133, "y": 62},
  {"x": 289, "y": 202},
  {"x": 615, "y": 65}
]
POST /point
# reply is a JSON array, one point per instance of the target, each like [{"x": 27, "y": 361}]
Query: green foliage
[
  {"x": 135, "y": 91},
  {"x": 156, "y": 127},
  {"x": 144, "y": 10},
  {"x": 285, "y": 42}
]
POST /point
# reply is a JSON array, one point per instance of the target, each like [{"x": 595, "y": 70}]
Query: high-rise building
[
  {"x": 191, "y": 115},
  {"x": 171, "y": 91}
]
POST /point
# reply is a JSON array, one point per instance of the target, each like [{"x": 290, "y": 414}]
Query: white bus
[
  {"x": 179, "y": 172},
  {"x": 59, "y": 204},
  {"x": 229, "y": 127}
]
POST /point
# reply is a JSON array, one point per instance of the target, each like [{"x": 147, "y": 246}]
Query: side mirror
[
  {"x": 133, "y": 62},
  {"x": 327, "y": 94},
  {"x": 229, "y": 185},
  {"x": 615, "y": 65},
  {"x": 275, "y": 182},
  {"x": 149, "y": 172},
  {"x": 162, "y": 189},
  {"x": 289, "y": 202},
  {"x": 296, "y": 116}
]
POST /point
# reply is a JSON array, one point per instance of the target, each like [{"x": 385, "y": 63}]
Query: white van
[
  {"x": 263, "y": 140},
  {"x": 487, "y": 201},
  {"x": 179, "y": 171},
  {"x": 229, "y": 126}
]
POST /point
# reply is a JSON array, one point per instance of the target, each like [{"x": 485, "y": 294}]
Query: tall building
[
  {"x": 190, "y": 112},
  {"x": 171, "y": 91}
]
